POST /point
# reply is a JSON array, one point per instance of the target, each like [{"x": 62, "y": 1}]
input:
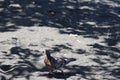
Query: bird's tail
[{"x": 68, "y": 60}]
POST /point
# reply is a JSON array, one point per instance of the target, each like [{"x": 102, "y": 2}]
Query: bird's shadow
[
  {"x": 73, "y": 70},
  {"x": 58, "y": 75}
]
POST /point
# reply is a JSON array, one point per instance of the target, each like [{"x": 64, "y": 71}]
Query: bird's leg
[
  {"x": 51, "y": 72},
  {"x": 62, "y": 71}
]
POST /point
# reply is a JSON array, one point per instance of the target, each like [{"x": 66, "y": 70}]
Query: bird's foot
[
  {"x": 51, "y": 72},
  {"x": 61, "y": 71}
]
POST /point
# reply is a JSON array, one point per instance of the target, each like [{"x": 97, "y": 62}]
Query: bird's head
[{"x": 47, "y": 51}]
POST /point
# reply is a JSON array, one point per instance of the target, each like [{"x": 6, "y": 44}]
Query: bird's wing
[{"x": 58, "y": 63}]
